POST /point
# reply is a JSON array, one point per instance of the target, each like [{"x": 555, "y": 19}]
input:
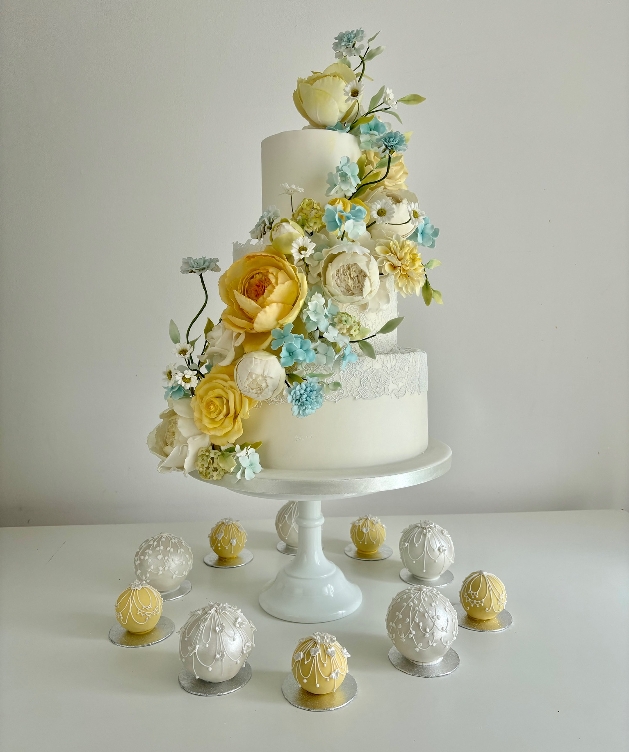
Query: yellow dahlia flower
[
  {"x": 321, "y": 98},
  {"x": 262, "y": 291},
  {"x": 219, "y": 407},
  {"x": 400, "y": 258}
]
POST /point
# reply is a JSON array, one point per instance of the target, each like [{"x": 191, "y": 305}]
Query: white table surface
[{"x": 558, "y": 680}]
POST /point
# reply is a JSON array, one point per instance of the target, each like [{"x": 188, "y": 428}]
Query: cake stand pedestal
[{"x": 310, "y": 588}]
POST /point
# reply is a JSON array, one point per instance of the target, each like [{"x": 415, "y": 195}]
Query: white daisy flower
[
  {"x": 302, "y": 248},
  {"x": 170, "y": 374},
  {"x": 290, "y": 190},
  {"x": 183, "y": 350},
  {"x": 354, "y": 91},
  {"x": 382, "y": 210},
  {"x": 188, "y": 379},
  {"x": 389, "y": 99},
  {"x": 414, "y": 212}
]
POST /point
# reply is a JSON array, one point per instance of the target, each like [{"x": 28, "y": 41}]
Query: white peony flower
[
  {"x": 177, "y": 440},
  {"x": 389, "y": 99},
  {"x": 401, "y": 222},
  {"x": 382, "y": 210},
  {"x": 183, "y": 350},
  {"x": 259, "y": 375},
  {"x": 302, "y": 248},
  {"x": 351, "y": 276},
  {"x": 221, "y": 346}
]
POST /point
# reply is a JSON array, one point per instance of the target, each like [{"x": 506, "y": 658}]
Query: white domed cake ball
[
  {"x": 422, "y": 624},
  {"x": 163, "y": 561},
  {"x": 426, "y": 550},
  {"x": 286, "y": 524},
  {"x": 215, "y": 641}
]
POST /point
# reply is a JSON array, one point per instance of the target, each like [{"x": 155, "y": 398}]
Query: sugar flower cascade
[{"x": 294, "y": 300}]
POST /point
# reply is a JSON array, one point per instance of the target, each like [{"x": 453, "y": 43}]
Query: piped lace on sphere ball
[
  {"x": 483, "y": 595},
  {"x": 426, "y": 550},
  {"x": 139, "y": 607},
  {"x": 320, "y": 663},
  {"x": 227, "y": 538},
  {"x": 215, "y": 642},
  {"x": 163, "y": 561},
  {"x": 286, "y": 524},
  {"x": 422, "y": 624},
  {"x": 368, "y": 534}
]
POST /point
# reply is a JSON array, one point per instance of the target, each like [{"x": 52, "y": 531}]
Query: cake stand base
[
  {"x": 448, "y": 664},
  {"x": 177, "y": 593},
  {"x": 503, "y": 621},
  {"x": 284, "y": 548},
  {"x": 189, "y": 682},
  {"x": 380, "y": 555},
  {"x": 244, "y": 557},
  {"x": 445, "y": 579},
  {"x": 304, "y": 700},
  {"x": 119, "y": 636}
]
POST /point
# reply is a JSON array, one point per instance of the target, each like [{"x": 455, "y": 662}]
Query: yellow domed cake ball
[
  {"x": 483, "y": 595},
  {"x": 227, "y": 538},
  {"x": 139, "y": 608},
  {"x": 320, "y": 663},
  {"x": 367, "y": 534}
]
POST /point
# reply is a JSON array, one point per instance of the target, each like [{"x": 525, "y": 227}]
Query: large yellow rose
[
  {"x": 219, "y": 407},
  {"x": 262, "y": 291},
  {"x": 321, "y": 98},
  {"x": 396, "y": 179}
]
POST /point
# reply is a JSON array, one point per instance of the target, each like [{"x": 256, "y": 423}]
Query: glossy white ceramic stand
[{"x": 310, "y": 588}]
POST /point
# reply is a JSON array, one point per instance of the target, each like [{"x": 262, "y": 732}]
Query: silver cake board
[
  {"x": 499, "y": 623},
  {"x": 177, "y": 593},
  {"x": 189, "y": 682},
  {"x": 380, "y": 555},
  {"x": 305, "y": 700},
  {"x": 121, "y": 637},
  {"x": 244, "y": 557},
  {"x": 448, "y": 664},
  {"x": 445, "y": 579}
]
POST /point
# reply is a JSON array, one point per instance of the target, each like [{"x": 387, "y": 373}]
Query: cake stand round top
[{"x": 337, "y": 484}]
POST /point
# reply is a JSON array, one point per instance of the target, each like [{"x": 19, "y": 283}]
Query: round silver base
[
  {"x": 174, "y": 595},
  {"x": 448, "y": 664},
  {"x": 445, "y": 579},
  {"x": 284, "y": 548},
  {"x": 380, "y": 555},
  {"x": 503, "y": 621},
  {"x": 189, "y": 682},
  {"x": 118, "y": 635},
  {"x": 212, "y": 560},
  {"x": 304, "y": 700}
]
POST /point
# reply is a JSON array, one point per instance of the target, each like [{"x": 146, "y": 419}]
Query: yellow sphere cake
[
  {"x": 367, "y": 534},
  {"x": 227, "y": 538},
  {"x": 139, "y": 608},
  {"x": 320, "y": 663},
  {"x": 483, "y": 595}
]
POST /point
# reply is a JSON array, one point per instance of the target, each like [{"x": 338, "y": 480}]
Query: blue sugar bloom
[
  {"x": 298, "y": 351},
  {"x": 347, "y": 43},
  {"x": 306, "y": 397},
  {"x": 248, "y": 463},
  {"x": 425, "y": 233},
  {"x": 200, "y": 265},
  {"x": 349, "y": 356},
  {"x": 338, "y": 127},
  {"x": 317, "y": 314},
  {"x": 392, "y": 142},
  {"x": 370, "y": 134},
  {"x": 326, "y": 354},
  {"x": 175, "y": 392},
  {"x": 281, "y": 337},
  {"x": 343, "y": 181},
  {"x": 333, "y": 218}
]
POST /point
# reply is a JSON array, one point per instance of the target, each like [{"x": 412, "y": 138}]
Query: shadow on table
[{"x": 265, "y": 687}]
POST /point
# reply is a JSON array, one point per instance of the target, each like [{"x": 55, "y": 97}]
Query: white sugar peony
[
  {"x": 400, "y": 221},
  {"x": 177, "y": 440},
  {"x": 221, "y": 346},
  {"x": 351, "y": 276},
  {"x": 259, "y": 375}
]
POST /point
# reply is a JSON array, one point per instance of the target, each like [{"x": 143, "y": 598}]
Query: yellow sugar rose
[
  {"x": 262, "y": 291},
  {"x": 396, "y": 179},
  {"x": 283, "y": 233},
  {"x": 219, "y": 407},
  {"x": 321, "y": 98}
]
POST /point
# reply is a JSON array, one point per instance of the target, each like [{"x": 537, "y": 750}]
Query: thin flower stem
[
  {"x": 292, "y": 208},
  {"x": 371, "y": 336},
  {"x": 373, "y": 182},
  {"x": 200, "y": 312}
]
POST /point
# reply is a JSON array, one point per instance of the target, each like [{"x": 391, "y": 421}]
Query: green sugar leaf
[
  {"x": 173, "y": 331},
  {"x": 367, "y": 348},
  {"x": 391, "y": 325},
  {"x": 412, "y": 99}
]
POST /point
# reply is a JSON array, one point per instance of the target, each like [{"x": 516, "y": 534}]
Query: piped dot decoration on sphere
[
  {"x": 426, "y": 550},
  {"x": 139, "y": 607},
  {"x": 227, "y": 538},
  {"x": 367, "y": 534},
  {"x": 483, "y": 595},
  {"x": 319, "y": 663},
  {"x": 163, "y": 561},
  {"x": 286, "y": 524},
  {"x": 215, "y": 642},
  {"x": 422, "y": 624}
]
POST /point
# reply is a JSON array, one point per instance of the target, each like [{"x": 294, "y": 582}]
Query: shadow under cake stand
[{"x": 310, "y": 588}]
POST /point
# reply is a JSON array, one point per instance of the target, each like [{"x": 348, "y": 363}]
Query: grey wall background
[{"x": 130, "y": 135}]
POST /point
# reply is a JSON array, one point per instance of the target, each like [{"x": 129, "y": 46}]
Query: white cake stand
[{"x": 310, "y": 588}]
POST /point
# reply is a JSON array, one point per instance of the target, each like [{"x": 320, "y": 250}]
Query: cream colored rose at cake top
[
  {"x": 483, "y": 595},
  {"x": 139, "y": 607},
  {"x": 320, "y": 663},
  {"x": 286, "y": 524},
  {"x": 163, "y": 561},
  {"x": 426, "y": 550},
  {"x": 227, "y": 538},
  {"x": 215, "y": 642},
  {"x": 367, "y": 534},
  {"x": 422, "y": 624}
]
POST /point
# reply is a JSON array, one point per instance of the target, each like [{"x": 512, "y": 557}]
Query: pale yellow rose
[
  {"x": 283, "y": 233},
  {"x": 262, "y": 291},
  {"x": 402, "y": 260},
  {"x": 321, "y": 98},
  {"x": 396, "y": 179},
  {"x": 219, "y": 406}
]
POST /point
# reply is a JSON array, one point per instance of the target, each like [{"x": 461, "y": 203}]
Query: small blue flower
[
  {"x": 191, "y": 265},
  {"x": 343, "y": 181},
  {"x": 370, "y": 133},
  {"x": 391, "y": 142},
  {"x": 349, "y": 356},
  {"x": 338, "y": 127},
  {"x": 425, "y": 233},
  {"x": 265, "y": 223},
  {"x": 298, "y": 351},
  {"x": 248, "y": 463},
  {"x": 175, "y": 391},
  {"x": 333, "y": 218},
  {"x": 354, "y": 222},
  {"x": 281, "y": 336},
  {"x": 306, "y": 397},
  {"x": 326, "y": 354},
  {"x": 346, "y": 44},
  {"x": 317, "y": 314}
]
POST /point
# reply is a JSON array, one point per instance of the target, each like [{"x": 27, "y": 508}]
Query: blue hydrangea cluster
[
  {"x": 343, "y": 181},
  {"x": 347, "y": 43},
  {"x": 391, "y": 142},
  {"x": 425, "y": 233},
  {"x": 317, "y": 313},
  {"x": 175, "y": 392},
  {"x": 352, "y": 221},
  {"x": 299, "y": 350},
  {"x": 281, "y": 336},
  {"x": 370, "y": 133},
  {"x": 349, "y": 356},
  {"x": 306, "y": 397}
]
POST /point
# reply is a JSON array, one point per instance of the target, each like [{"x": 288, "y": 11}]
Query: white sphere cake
[
  {"x": 215, "y": 642},
  {"x": 426, "y": 550},
  {"x": 422, "y": 624},
  {"x": 286, "y": 524},
  {"x": 163, "y": 561}
]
